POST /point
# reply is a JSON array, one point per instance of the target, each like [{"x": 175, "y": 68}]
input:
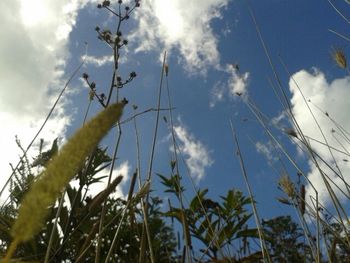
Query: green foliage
[
  {"x": 173, "y": 184},
  {"x": 44, "y": 157},
  {"x": 339, "y": 250},
  {"x": 79, "y": 220},
  {"x": 216, "y": 225},
  {"x": 286, "y": 242}
]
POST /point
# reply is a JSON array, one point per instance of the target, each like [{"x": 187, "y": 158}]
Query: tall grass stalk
[
  {"x": 289, "y": 188},
  {"x": 263, "y": 246},
  {"x": 156, "y": 125},
  {"x": 316, "y": 122},
  {"x": 155, "y": 133},
  {"x": 195, "y": 190},
  {"x": 104, "y": 208},
  {"x": 339, "y": 12},
  {"x": 339, "y": 35},
  {"x": 54, "y": 227},
  {"x": 289, "y": 110},
  {"x": 116, "y": 46},
  {"x": 337, "y": 205},
  {"x": 186, "y": 230},
  {"x": 145, "y": 228},
  {"x": 258, "y": 116},
  {"x": 181, "y": 197}
]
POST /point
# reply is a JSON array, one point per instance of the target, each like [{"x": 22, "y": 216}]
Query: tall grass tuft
[
  {"x": 339, "y": 58},
  {"x": 287, "y": 186},
  {"x": 47, "y": 188}
]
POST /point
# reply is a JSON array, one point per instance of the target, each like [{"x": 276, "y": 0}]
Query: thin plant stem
[
  {"x": 116, "y": 233},
  {"x": 54, "y": 227},
  {"x": 339, "y": 35},
  {"x": 105, "y": 228},
  {"x": 195, "y": 190},
  {"x": 265, "y": 252},
  {"x": 253, "y": 109},
  {"x": 75, "y": 72},
  {"x": 339, "y": 12},
  {"x": 104, "y": 206},
  {"x": 150, "y": 166},
  {"x": 145, "y": 214},
  {"x": 180, "y": 196},
  {"x": 87, "y": 112},
  {"x": 343, "y": 131},
  {"x": 143, "y": 112},
  {"x": 149, "y": 173},
  {"x": 315, "y": 120}
]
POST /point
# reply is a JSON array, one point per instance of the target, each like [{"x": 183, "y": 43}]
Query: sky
[{"x": 214, "y": 54}]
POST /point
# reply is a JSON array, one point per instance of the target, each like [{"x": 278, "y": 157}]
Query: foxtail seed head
[
  {"x": 287, "y": 186},
  {"x": 339, "y": 58},
  {"x": 50, "y": 183}
]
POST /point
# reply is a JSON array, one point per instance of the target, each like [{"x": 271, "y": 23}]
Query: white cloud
[
  {"x": 124, "y": 170},
  {"x": 266, "y": 149},
  {"x": 182, "y": 25},
  {"x": 330, "y": 99},
  {"x": 196, "y": 155},
  {"x": 98, "y": 61},
  {"x": 236, "y": 85},
  {"x": 280, "y": 119},
  {"x": 103, "y": 60},
  {"x": 33, "y": 48},
  {"x": 217, "y": 94}
]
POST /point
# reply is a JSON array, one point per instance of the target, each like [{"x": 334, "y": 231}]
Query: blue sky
[{"x": 42, "y": 43}]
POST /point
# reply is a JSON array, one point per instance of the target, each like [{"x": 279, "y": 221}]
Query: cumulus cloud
[
  {"x": 182, "y": 25},
  {"x": 196, "y": 154},
  {"x": 329, "y": 103},
  {"x": 33, "y": 49}
]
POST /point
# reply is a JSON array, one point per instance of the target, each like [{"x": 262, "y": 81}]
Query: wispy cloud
[
  {"x": 267, "y": 150},
  {"x": 217, "y": 93},
  {"x": 97, "y": 61},
  {"x": 182, "y": 25},
  {"x": 236, "y": 85},
  {"x": 196, "y": 154},
  {"x": 322, "y": 96}
]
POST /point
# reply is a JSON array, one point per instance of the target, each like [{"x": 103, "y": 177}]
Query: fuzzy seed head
[
  {"x": 339, "y": 58},
  {"x": 166, "y": 69},
  {"x": 62, "y": 168},
  {"x": 287, "y": 186}
]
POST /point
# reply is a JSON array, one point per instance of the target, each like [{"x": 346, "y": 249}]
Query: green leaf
[{"x": 198, "y": 199}]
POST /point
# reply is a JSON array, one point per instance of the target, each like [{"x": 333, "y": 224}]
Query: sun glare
[
  {"x": 33, "y": 12},
  {"x": 169, "y": 17}
]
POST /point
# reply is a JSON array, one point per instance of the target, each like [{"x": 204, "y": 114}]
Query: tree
[{"x": 285, "y": 240}]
